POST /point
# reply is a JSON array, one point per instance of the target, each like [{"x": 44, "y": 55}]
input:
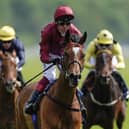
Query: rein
[
  {"x": 75, "y": 61},
  {"x": 107, "y": 77},
  {"x": 103, "y": 50},
  {"x": 65, "y": 69},
  {"x": 66, "y": 106},
  {"x": 104, "y": 104},
  {"x": 56, "y": 101},
  {"x": 38, "y": 74}
]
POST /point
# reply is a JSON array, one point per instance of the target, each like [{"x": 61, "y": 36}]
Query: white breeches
[{"x": 50, "y": 74}]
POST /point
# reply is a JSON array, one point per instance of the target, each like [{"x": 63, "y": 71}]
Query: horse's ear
[
  {"x": 67, "y": 37},
  {"x": 83, "y": 38}
]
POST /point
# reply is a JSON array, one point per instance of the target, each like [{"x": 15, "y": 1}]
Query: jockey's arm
[
  {"x": 20, "y": 50},
  {"x": 90, "y": 52},
  {"x": 88, "y": 63},
  {"x": 119, "y": 56}
]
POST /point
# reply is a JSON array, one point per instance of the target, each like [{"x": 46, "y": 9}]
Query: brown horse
[
  {"x": 8, "y": 91},
  {"x": 104, "y": 101},
  {"x": 59, "y": 109}
]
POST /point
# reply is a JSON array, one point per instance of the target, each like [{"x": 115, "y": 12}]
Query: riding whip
[{"x": 38, "y": 74}]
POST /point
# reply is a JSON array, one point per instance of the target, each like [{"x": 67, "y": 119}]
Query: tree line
[{"x": 29, "y": 16}]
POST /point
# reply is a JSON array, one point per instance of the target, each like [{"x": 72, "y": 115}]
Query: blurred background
[{"x": 29, "y": 16}]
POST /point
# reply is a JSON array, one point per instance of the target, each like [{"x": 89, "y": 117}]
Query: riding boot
[
  {"x": 37, "y": 102},
  {"x": 82, "y": 107},
  {"x": 29, "y": 105},
  {"x": 122, "y": 84},
  {"x": 33, "y": 103}
]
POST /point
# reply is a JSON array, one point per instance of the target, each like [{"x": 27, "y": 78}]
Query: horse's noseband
[
  {"x": 73, "y": 77},
  {"x": 9, "y": 84}
]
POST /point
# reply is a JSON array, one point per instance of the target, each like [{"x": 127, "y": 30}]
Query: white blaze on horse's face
[
  {"x": 76, "y": 50},
  {"x": 74, "y": 67}
]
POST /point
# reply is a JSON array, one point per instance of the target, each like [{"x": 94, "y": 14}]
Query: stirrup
[
  {"x": 84, "y": 110},
  {"x": 29, "y": 108},
  {"x": 84, "y": 116}
]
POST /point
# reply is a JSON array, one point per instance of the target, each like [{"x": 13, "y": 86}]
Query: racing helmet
[
  {"x": 105, "y": 37},
  {"x": 64, "y": 13},
  {"x": 7, "y": 33}
]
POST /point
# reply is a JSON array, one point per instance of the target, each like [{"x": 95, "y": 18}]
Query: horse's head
[
  {"x": 106, "y": 91},
  {"x": 73, "y": 59},
  {"x": 104, "y": 65},
  {"x": 8, "y": 72}
]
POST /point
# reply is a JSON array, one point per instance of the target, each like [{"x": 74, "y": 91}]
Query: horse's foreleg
[
  {"x": 120, "y": 120},
  {"x": 109, "y": 126},
  {"x": 87, "y": 126},
  {"x": 121, "y": 116},
  {"x": 84, "y": 126}
]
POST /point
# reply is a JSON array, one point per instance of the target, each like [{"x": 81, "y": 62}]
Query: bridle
[
  {"x": 104, "y": 80},
  {"x": 65, "y": 67},
  {"x": 11, "y": 84},
  {"x": 68, "y": 75}
]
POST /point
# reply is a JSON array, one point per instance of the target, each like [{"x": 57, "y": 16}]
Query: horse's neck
[
  {"x": 105, "y": 92},
  {"x": 5, "y": 97},
  {"x": 63, "y": 91}
]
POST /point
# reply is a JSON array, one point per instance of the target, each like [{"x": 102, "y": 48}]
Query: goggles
[
  {"x": 109, "y": 46},
  {"x": 6, "y": 42},
  {"x": 62, "y": 23}
]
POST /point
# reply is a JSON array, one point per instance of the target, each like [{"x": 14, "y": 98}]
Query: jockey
[
  {"x": 10, "y": 43},
  {"x": 51, "y": 49},
  {"x": 105, "y": 40}
]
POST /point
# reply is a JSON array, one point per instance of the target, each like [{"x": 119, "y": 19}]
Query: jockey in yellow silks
[{"x": 105, "y": 40}]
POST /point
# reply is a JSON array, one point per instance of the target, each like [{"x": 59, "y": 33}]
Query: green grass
[{"x": 34, "y": 66}]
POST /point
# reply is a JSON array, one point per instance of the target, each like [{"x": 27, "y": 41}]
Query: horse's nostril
[
  {"x": 7, "y": 82},
  {"x": 10, "y": 82},
  {"x": 13, "y": 82},
  {"x": 79, "y": 76},
  {"x": 72, "y": 76}
]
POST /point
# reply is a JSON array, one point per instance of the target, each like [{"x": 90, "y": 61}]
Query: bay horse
[
  {"x": 104, "y": 101},
  {"x": 60, "y": 108},
  {"x": 8, "y": 90}
]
